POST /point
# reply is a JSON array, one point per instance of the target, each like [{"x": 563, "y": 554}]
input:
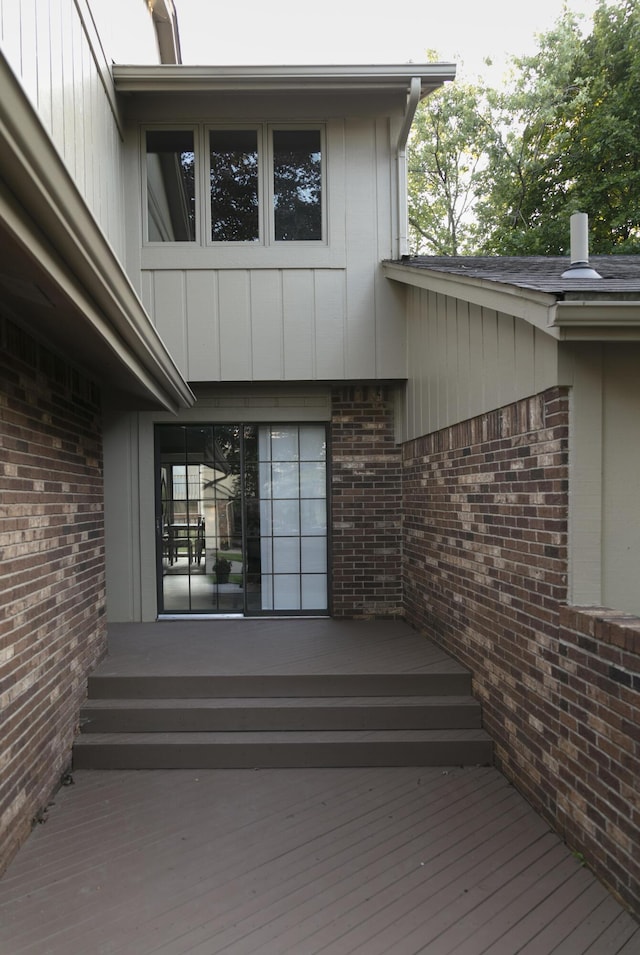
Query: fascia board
[
  {"x": 527, "y": 304},
  {"x": 591, "y": 320},
  {"x": 181, "y": 78},
  {"x": 36, "y": 175}
]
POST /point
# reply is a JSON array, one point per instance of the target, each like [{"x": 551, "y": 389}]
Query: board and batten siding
[
  {"x": 604, "y": 476},
  {"x": 464, "y": 360},
  {"x": 53, "y": 48},
  {"x": 290, "y": 314}
]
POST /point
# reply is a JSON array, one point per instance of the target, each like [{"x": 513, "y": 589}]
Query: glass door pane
[
  {"x": 242, "y": 519},
  {"x": 293, "y": 517}
]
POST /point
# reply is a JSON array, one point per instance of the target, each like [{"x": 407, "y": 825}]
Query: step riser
[
  {"x": 283, "y": 756},
  {"x": 209, "y": 687},
  {"x": 206, "y": 720}
]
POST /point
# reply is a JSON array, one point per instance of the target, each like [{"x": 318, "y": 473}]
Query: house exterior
[{"x": 227, "y": 390}]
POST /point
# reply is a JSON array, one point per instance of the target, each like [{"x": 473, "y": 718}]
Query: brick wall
[
  {"x": 52, "y": 624},
  {"x": 485, "y": 512},
  {"x": 597, "y": 666},
  {"x": 366, "y": 496}
]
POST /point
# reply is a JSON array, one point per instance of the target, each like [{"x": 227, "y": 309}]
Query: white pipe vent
[{"x": 580, "y": 268}]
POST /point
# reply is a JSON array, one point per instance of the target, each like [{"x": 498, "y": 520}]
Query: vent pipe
[{"x": 580, "y": 268}]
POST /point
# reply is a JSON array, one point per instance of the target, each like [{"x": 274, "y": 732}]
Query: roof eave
[
  {"x": 139, "y": 79},
  {"x": 528, "y": 304},
  {"x": 588, "y": 320},
  {"x": 597, "y": 321},
  {"x": 46, "y": 216}
]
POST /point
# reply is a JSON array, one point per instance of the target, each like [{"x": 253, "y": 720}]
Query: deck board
[
  {"x": 301, "y": 861},
  {"x": 369, "y": 861}
]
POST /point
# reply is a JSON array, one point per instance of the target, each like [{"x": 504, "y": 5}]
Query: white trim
[{"x": 187, "y": 79}]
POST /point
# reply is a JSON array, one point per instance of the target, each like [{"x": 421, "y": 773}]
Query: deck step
[
  {"x": 283, "y": 749},
  {"x": 351, "y": 712},
  {"x": 194, "y": 686},
  {"x": 241, "y": 714}
]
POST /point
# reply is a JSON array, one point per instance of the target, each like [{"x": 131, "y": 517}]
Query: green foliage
[
  {"x": 562, "y": 136},
  {"x": 450, "y": 140}
]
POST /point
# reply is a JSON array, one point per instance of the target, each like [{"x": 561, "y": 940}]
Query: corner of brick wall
[
  {"x": 485, "y": 550},
  {"x": 53, "y": 625},
  {"x": 597, "y": 669},
  {"x": 366, "y": 495}
]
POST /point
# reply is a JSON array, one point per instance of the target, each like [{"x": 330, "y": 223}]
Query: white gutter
[
  {"x": 415, "y": 93},
  {"x": 184, "y": 79}
]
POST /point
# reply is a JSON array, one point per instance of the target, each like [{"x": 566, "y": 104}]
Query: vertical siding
[
  {"x": 170, "y": 314},
  {"x": 360, "y": 344},
  {"x": 292, "y": 319},
  {"x": 621, "y": 479},
  {"x": 61, "y": 69},
  {"x": 330, "y": 321},
  {"x": 203, "y": 341},
  {"x": 464, "y": 360},
  {"x": 298, "y": 323},
  {"x": 585, "y": 477}
]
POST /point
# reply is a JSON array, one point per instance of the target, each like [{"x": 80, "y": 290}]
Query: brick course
[
  {"x": 366, "y": 495},
  {"x": 52, "y": 622},
  {"x": 485, "y": 546}
]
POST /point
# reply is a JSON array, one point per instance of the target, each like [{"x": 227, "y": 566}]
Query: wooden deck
[
  {"x": 270, "y": 646},
  {"x": 395, "y": 860}
]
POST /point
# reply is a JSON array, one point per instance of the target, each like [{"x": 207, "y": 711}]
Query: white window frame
[
  {"x": 168, "y": 128},
  {"x": 328, "y": 252}
]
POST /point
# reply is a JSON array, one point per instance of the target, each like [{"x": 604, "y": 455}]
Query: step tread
[
  {"x": 305, "y": 702},
  {"x": 280, "y": 736}
]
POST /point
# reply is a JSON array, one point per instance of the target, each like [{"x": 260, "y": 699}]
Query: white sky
[{"x": 365, "y": 31}]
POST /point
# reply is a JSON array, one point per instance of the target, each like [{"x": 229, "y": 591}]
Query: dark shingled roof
[{"x": 620, "y": 274}]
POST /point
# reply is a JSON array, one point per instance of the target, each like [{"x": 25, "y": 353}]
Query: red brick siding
[
  {"x": 485, "y": 514},
  {"x": 52, "y": 623},
  {"x": 366, "y": 493},
  {"x": 598, "y": 800}
]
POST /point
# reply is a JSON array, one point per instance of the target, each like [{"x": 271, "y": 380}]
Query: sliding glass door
[{"x": 242, "y": 519}]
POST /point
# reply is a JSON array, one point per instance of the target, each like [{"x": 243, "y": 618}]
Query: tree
[
  {"x": 450, "y": 140},
  {"x": 569, "y": 141},
  {"x": 501, "y": 171}
]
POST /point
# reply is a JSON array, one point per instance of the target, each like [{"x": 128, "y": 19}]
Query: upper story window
[
  {"x": 262, "y": 185},
  {"x": 297, "y": 185},
  {"x": 171, "y": 186},
  {"x": 234, "y": 185}
]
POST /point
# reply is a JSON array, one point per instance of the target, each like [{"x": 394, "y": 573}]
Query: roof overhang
[
  {"x": 576, "y": 320},
  {"x": 285, "y": 79},
  {"x": 59, "y": 275}
]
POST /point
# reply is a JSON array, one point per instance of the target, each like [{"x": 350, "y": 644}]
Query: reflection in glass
[
  {"x": 233, "y": 183},
  {"x": 234, "y": 536},
  {"x": 297, "y": 184},
  {"x": 171, "y": 193}
]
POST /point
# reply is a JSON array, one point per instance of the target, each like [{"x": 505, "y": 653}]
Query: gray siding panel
[
  {"x": 464, "y": 360},
  {"x": 289, "y": 312},
  {"x": 53, "y": 50}
]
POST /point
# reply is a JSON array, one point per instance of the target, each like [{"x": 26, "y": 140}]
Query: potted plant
[{"x": 222, "y": 569}]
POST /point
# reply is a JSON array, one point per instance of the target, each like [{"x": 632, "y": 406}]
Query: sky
[{"x": 286, "y": 32}]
